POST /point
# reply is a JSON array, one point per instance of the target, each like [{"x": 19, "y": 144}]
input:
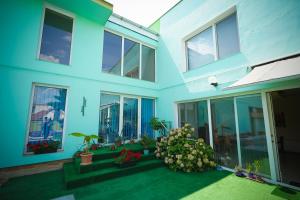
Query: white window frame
[
  {"x": 34, "y": 84},
  {"x": 140, "y": 43},
  {"x": 121, "y": 119},
  {"x": 210, "y": 24},
  {"x": 63, "y": 12}
]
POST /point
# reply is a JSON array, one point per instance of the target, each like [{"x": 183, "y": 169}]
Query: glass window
[
  {"x": 47, "y": 115},
  {"x": 227, "y": 36},
  {"x": 109, "y": 117},
  {"x": 196, "y": 114},
  {"x": 130, "y": 118},
  {"x": 148, "y": 64},
  {"x": 252, "y": 132},
  {"x": 56, "y": 37},
  {"x": 224, "y": 132},
  {"x": 200, "y": 49},
  {"x": 112, "y": 53},
  {"x": 148, "y": 112},
  {"x": 131, "y": 58}
]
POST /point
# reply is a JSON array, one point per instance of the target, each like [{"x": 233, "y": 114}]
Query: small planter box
[{"x": 126, "y": 164}]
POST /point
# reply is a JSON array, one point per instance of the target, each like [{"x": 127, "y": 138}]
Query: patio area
[{"x": 160, "y": 183}]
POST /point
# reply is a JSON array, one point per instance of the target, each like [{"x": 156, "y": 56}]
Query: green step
[
  {"x": 101, "y": 164},
  {"x": 73, "y": 179},
  {"x": 106, "y": 153}
]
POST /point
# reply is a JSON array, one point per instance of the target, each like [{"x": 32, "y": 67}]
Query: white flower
[
  {"x": 181, "y": 165},
  {"x": 170, "y": 160},
  {"x": 205, "y": 160},
  {"x": 199, "y": 163},
  {"x": 194, "y": 152},
  {"x": 193, "y": 129},
  {"x": 158, "y": 155},
  {"x": 189, "y": 135},
  {"x": 166, "y": 160}
]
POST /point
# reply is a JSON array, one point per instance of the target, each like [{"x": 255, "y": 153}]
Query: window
[
  {"x": 47, "y": 119},
  {"x": 196, "y": 114},
  {"x": 148, "y": 63},
  {"x": 252, "y": 132},
  {"x": 109, "y": 117},
  {"x": 227, "y": 37},
  {"x": 135, "y": 60},
  {"x": 112, "y": 53},
  {"x": 130, "y": 118},
  {"x": 218, "y": 41},
  {"x": 56, "y": 37},
  {"x": 148, "y": 112},
  {"x": 119, "y": 116},
  {"x": 224, "y": 131},
  {"x": 201, "y": 49},
  {"x": 131, "y": 58}
]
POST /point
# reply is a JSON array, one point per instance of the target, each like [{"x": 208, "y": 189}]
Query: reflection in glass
[
  {"x": 56, "y": 37},
  {"x": 130, "y": 118},
  {"x": 227, "y": 36},
  {"x": 224, "y": 131},
  {"x": 200, "y": 49},
  {"x": 131, "y": 58},
  {"x": 47, "y": 115},
  {"x": 148, "y": 64},
  {"x": 148, "y": 112},
  {"x": 252, "y": 132},
  {"x": 112, "y": 50},
  {"x": 109, "y": 117},
  {"x": 196, "y": 114}
]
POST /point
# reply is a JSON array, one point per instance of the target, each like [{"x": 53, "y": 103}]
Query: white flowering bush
[{"x": 181, "y": 151}]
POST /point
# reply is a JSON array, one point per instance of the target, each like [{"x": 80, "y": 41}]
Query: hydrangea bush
[{"x": 181, "y": 151}]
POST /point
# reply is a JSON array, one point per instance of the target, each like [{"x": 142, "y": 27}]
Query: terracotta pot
[{"x": 86, "y": 158}]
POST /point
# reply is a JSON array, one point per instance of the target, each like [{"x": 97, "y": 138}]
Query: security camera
[{"x": 212, "y": 80}]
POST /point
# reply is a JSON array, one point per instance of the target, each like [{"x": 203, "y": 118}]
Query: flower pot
[
  {"x": 146, "y": 151},
  {"x": 86, "y": 158},
  {"x": 126, "y": 164},
  {"x": 239, "y": 174}
]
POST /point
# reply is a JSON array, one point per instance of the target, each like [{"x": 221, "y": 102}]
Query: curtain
[{"x": 148, "y": 112}]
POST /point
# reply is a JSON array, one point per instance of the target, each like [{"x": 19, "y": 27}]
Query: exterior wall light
[{"x": 212, "y": 80}]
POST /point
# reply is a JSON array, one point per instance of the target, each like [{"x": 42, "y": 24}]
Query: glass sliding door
[
  {"x": 130, "y": 118},
  {"x": 203, "y": 127},
  {"x": 195, "y": 114},
  {"x": 252, "y": 132},
  {"x": 224, "y": 131},
  {"x": 109, "y": 117},
  {"x": 148, "y": 112}
]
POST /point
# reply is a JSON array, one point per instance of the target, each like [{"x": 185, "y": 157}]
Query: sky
[{"x": 143, "y": 12}]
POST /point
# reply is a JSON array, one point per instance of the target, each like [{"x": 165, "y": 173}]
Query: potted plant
[
  {"x": 239, "y": 171},
  {"x": 146, "y": 142},
  {"x": 257, "y": 166},
  {"x": 118, "y": 141},
  {"x": 86, "y": 155},
  {"x": 127, "y": 158},
  {"x": 48, "y": 146},
  {"x": 158, "y": 125},
  {"x": 249, "y": 171}
]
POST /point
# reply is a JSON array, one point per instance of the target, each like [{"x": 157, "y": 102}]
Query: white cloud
[
  {"x": 142, "y": 12},
  {"x": 49, "y": 58}
]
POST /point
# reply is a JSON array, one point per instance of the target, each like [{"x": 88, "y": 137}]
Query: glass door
[{"x": 130, "y": 118}]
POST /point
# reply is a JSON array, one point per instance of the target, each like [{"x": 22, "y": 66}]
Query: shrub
[{"x": 181, "y": 151}]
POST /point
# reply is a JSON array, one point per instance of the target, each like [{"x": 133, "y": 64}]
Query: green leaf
[{"x": 76, "y": 134}]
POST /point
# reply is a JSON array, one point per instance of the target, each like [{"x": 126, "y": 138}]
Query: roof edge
[{"x": 104, "y": 4}]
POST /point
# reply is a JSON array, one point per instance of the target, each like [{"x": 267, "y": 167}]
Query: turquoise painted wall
[
  {"x": 268, "y": 29},
  {"x": 19, "y": 67}
]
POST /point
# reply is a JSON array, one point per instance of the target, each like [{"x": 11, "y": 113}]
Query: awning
[{"x": 284, "y": 69}]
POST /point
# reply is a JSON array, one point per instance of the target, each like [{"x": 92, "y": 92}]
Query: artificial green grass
[{"x": 157, "y": 184}]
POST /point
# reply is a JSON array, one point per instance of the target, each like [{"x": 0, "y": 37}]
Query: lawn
[{"x": 160, "y": 183}]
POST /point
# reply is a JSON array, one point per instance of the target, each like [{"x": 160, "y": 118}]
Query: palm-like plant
[{"x": 87, "y": 139}]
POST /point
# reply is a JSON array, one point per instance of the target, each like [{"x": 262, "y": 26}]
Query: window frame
[
  {"x": 62, "y": 12},
  {"x": 141, "y": 43},
  {"x": 211, "y": 24},
  {"x": 34, "y": 84}
]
